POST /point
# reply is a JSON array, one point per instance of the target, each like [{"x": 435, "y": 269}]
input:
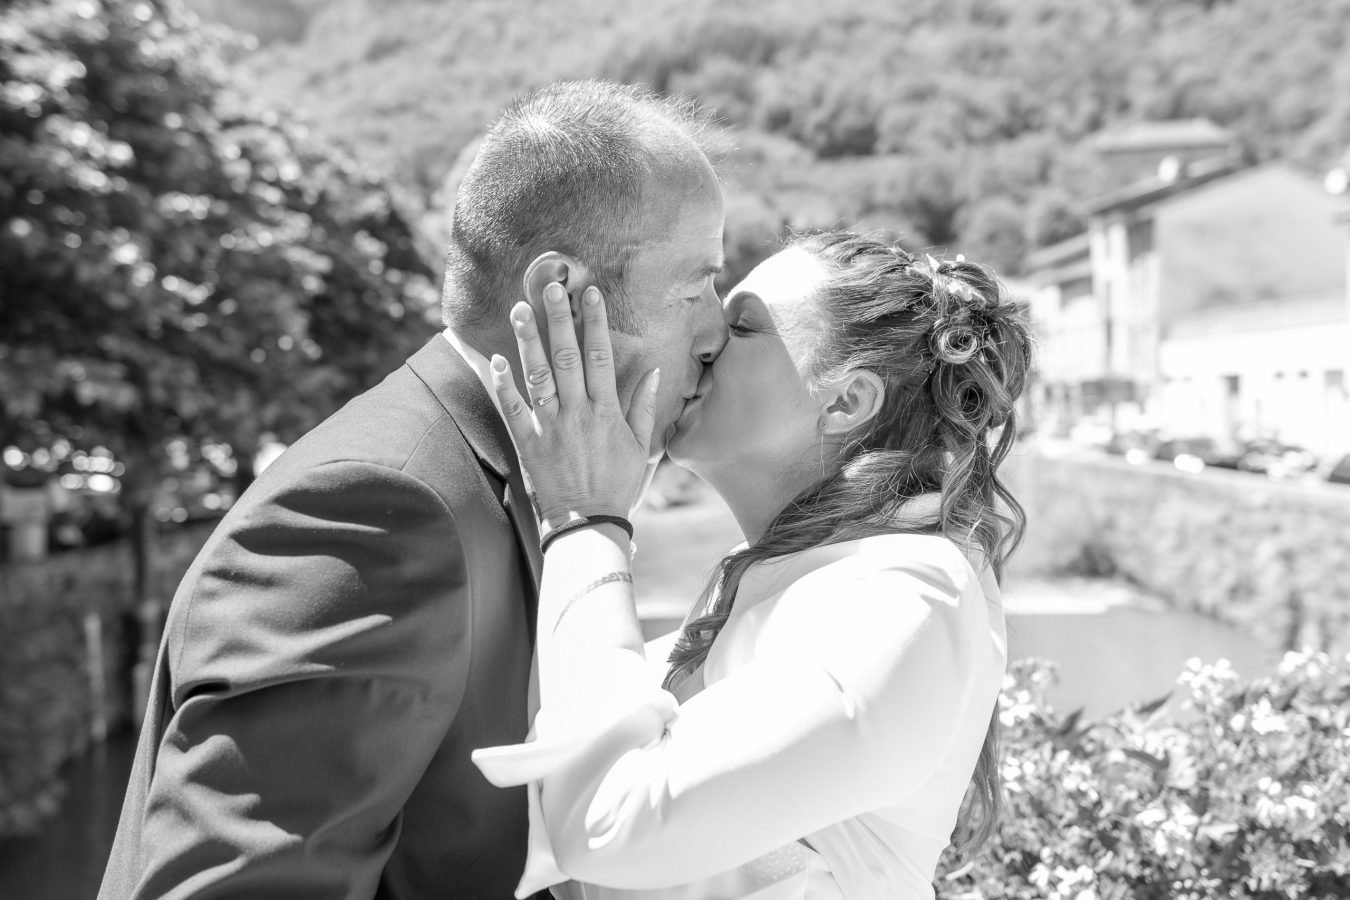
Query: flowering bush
[{"x": 1230, "y": 790}]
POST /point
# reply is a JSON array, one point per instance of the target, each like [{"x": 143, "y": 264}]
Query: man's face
[{"x": 669, "y": 287}]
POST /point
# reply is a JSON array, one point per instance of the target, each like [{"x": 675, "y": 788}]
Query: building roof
[
  {"x": 1057, "y": 254},
  {"x": 1153, "y": 188},
  {"x": 1170, "y": 134},
  {"x": 1326, "y": 308}
]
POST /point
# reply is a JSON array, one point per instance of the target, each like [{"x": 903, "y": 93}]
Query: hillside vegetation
[{"x": 960, "y": 123}]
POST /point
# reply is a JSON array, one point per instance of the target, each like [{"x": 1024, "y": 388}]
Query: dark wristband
[{"x": 583, "y": 522}]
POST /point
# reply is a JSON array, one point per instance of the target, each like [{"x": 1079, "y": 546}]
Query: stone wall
[
  {"x": 1270, "y": 557},
  {"x": 70, "y": 634}
]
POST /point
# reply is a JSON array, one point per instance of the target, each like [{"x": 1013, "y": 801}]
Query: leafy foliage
[
  {"x": 174, "y": 267},
  {"x": 1239, "y": 791},
  {"x": 934, "y": 119}
]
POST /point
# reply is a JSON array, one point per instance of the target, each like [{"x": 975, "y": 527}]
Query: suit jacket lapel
[
  {"x": 526, "y": 523},
  {"x": 458, "y": 389}
]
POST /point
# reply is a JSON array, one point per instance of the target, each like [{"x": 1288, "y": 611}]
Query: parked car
[
  {"x": 1275, "y": 459},
  {"x": 1090, "y": 433},
  {"x": 1195, "y": 453},
  {"x": 1340, "y": 472},
  {"x": 1136, "y": 446}
]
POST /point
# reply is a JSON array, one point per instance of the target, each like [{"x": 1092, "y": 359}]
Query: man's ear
[
  {"x": 852, "y": 403},
  {"x": 553, "y": 266}
]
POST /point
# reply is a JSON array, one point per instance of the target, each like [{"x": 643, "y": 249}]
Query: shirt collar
[{"x": 476, "y": 361}]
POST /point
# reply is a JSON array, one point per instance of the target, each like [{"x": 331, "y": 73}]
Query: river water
[{"x": 65, "y": 861}]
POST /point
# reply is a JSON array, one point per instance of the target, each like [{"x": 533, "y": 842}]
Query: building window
[
  {"x": 1140, "y": 237},
  {"x": 1074, "y": 289},
  {"x": 1335, "y": 382}
]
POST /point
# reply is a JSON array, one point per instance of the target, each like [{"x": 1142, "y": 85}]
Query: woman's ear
[
  {"x": 852, "y": 403},
  {"x": 553, "y": 266}
]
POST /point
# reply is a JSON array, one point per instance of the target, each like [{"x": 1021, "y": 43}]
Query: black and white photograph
[{"x": 674, "y": 450}]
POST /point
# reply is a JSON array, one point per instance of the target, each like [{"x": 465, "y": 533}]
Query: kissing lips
[
  {"x": 704, "y": 386},
  {"x": 690, "y": 401}
]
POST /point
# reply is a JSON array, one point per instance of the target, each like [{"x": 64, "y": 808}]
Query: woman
[{"x": 828, "y": 702}]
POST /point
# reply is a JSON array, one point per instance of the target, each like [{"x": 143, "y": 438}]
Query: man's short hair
[{"x": 563, "y": 169}]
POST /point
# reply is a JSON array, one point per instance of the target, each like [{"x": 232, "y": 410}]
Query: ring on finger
[{"x": 545, "y": 401}]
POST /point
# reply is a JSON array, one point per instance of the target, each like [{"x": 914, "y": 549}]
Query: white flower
[
  {"x": 1301, "y": 807},
  {"x": 1265, "y": 720},
  {"x": 1312, "y": 663},
  {"x": 1270, "y": 812},
  {"x": 1151, "y": 817},
  {"x": 1207, "y": 683},
  {"x": 1015, "y": 713},
  {"x": 1176, "y": 832}
]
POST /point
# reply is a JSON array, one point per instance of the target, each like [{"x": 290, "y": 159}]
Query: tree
[
  {"x": 974, "y": 80},
  {"x": 993, "y": 231},
  {"x": 177, "y": 271}
]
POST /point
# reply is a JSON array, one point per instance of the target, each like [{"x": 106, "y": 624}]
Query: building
[
  {"x": 1140, "y": 149},
  {"x": 1206, "y": 299},
  {"x": 1274, "y": 370},
  {"x": 1073, "y": 332}
]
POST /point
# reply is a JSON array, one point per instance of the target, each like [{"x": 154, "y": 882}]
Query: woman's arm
[
  {"x": 586, "y": 610},
  {"x": 860, "y": 683}
]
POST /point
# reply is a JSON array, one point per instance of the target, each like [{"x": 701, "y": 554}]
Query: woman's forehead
[{"x": 785, "y": 282}]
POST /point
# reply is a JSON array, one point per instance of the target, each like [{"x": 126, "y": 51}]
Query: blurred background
[{"x": 220, "y": 219}]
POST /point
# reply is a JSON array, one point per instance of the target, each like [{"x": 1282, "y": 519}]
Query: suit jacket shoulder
[{"x": 355, "y": 626}]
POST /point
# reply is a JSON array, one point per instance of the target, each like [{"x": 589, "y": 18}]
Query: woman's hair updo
[{"x": 954, "y": 353}]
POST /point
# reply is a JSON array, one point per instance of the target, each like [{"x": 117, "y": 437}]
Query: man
[{"x": 362, "y": 619}]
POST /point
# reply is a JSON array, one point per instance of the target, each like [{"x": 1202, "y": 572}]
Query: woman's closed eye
[{"x": 744, "y": 318}]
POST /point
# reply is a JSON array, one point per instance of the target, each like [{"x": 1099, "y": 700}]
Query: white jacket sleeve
[{"x": 854, "y": 695}]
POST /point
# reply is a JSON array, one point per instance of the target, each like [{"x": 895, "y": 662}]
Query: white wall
[{"x": 1282, "y": 354}]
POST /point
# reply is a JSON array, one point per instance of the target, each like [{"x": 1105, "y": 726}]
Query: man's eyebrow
[{"x": 701, "y": 274}]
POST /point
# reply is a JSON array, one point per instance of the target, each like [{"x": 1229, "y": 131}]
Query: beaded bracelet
[{"x": 583, "y": 522}]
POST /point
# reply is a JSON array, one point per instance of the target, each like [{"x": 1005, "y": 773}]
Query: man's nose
[{"x": 712, "y": 330}]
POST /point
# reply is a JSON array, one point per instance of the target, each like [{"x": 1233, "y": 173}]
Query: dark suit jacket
[{"x": 359, "y": 622}]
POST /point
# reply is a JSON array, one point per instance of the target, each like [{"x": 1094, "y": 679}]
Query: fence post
[
  {"x": 26, "y": 511},
  {"x": 1294, "y": 606},
  {"x": 97, "y": 671},
  {"x": 148, "y": 615}
]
